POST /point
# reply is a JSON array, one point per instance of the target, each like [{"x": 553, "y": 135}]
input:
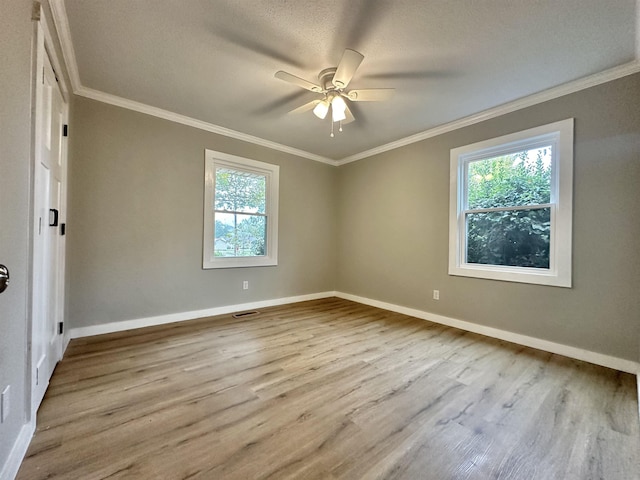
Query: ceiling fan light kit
[
  {"x": 338, "y": 104},
  {"x": 321, "y": 109},
  {"x": 338, "y": 116},
  {"x": 333, "y": 82}
]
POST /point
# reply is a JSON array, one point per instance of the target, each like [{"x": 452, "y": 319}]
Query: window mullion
[
  {"x": 238, "y": 212},
  {"x": 504, "y": 209}
]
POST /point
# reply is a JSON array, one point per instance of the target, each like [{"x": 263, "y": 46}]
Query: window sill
[
  {"x": 239, "y": 262},
  {"x": 534, "y": 276}
]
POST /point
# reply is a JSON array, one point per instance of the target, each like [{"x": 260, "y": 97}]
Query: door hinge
[
  {"x": 60, "y": 328},
  {"x": 35, "y": 11},
  {"x": 65, "y": 130},
  {"x": 63, "y": 229}
]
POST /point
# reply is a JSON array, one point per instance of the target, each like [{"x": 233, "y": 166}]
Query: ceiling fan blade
[
  {"x": 254, "y": 43},
  {"x": 300, "y": 82},
  {"x": 410, "y": 75},
  {"x": 370, "y": 94},
  {"x": 306, "y": 107},
  {"x": 350, "y": 118},
  {"x": 347, "y": 67},
  {"x": 359, "y": 22},
  {"x": 284, "y": 104}
]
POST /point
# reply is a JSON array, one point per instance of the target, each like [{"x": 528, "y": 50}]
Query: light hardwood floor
[{"x": 329, "y": 389}]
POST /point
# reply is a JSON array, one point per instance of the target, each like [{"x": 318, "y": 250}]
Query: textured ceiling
[{"x": 214, "y": 60}]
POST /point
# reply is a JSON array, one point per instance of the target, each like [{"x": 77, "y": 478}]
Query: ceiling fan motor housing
[
  {"x": 332, "y": 84},
  {"x": 326, "y": 78}
]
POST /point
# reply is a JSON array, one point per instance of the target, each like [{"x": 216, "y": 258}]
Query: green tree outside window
[
  {"x": 508, "y": 214},
  {"x": 240, "y": 213}
]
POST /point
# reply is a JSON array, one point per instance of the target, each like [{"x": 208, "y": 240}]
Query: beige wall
[
  {"x": 135, "y": 225},
  {"x": 15, "y": 140},
  {"x": 135, "y": 220},
  {"x": 393, "y": 224}
]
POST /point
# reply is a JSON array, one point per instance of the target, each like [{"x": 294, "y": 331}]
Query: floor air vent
[{"x": 245, "y": 314}]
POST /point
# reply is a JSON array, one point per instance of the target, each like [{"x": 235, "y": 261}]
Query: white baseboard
[
  {"x": 533, "y": 342},
  {"x": 21, "y": 445},
  {"x": 182, "y": 316},
  {"x": 19, "y": 450},
  {"x": 65, "y": 342}
]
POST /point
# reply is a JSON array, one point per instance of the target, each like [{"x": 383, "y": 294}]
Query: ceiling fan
[{"x": 333, "y": 84}]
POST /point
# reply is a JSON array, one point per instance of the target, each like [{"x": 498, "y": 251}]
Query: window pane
[
  {"x": 239, "y": 191},
  {"x": 518, "y": 238},
  {"x": 239, "y": 235},
  {"x": 518, "y": 179}
]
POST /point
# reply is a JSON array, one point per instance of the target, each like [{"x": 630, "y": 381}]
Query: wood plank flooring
[{"x": 329, "y": 389}]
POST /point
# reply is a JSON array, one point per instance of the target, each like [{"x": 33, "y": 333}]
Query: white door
[{"x": 48, "y": 253}]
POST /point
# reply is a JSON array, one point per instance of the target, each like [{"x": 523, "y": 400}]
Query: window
[
  {"x": 240, "y": 212},
  {"x": 510, "y": 207}
]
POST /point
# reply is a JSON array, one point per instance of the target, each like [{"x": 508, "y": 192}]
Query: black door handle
[
  {"x": 4, "y": 278},
  {"x": 54, "y": 222}
]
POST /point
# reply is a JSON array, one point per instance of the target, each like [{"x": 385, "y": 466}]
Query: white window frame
[
  {"x": 560, "y": 136},
  {"x": 215, "y": 160}
]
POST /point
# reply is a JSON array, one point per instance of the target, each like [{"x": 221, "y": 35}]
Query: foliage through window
[
  {"x": 508, "y": 210},
  {"x": 511, "y": 207},
  {"x": 240, "y": 212}
]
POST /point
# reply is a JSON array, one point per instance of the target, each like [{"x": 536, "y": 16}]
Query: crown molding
[
  {"x": 528, "y": 101},
  {"x": 61, "y": 24},
  {"x": 192, "y": 122}
]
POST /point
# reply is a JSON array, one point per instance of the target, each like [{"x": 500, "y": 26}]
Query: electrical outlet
[
  {"x": 4, "y": 404},
  {"x": 245, "y": 285},
  {"x": 436, "y": 294}
]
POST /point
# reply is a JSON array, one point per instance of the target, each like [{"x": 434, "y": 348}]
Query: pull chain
[{"x": 339, "y": 129}]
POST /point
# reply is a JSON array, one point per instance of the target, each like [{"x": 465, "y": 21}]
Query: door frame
[{"x": 42, "y": 45}]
